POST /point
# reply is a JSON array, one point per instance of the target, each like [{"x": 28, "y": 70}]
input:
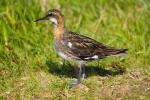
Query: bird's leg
[
  {"x": 83, "y": 75},
  {"x": 79, "y": 74},
  {"x": 78, "y": 80}
]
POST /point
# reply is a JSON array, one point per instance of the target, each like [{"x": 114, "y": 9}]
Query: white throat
[{"x": 54, "y": 20}]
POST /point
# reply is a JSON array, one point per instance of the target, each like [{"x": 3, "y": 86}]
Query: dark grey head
[{"x": 54, "y": 16}]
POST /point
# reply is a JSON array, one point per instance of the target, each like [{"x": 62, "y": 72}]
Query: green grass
[{"x": 31, "y": 69}]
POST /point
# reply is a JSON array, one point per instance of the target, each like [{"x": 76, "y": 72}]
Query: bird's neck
[{"x": 58, "y": 29}]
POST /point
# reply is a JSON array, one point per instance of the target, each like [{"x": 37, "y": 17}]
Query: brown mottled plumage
[{"x": 75, "y": 47}]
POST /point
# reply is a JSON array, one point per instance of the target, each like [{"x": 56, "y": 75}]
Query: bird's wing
[{"x": 86, "y": 48}]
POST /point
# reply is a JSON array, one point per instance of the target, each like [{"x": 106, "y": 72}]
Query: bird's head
[{"x": 54, "y": 16}]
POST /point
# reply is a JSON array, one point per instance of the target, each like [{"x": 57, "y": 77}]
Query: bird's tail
[
  {"x": 121, "y": 52},
  {"x": 117, "y": 52}
]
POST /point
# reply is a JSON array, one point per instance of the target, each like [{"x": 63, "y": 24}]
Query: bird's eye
[{"x": 50, "y": 14}]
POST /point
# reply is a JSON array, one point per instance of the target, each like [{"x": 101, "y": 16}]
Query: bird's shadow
[{"x": 68, "y": 70}]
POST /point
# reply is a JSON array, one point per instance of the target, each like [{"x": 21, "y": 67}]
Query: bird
[{"x": 74, "y": 47}]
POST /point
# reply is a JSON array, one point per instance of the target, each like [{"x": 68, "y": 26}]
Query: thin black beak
[{"x": 43, "y": 18}]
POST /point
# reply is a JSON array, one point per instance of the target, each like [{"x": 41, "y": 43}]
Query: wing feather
[{"x": 86, "y": 48}]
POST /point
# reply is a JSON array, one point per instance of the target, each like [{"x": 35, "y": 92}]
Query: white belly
[{"x": 61, "y": 54}]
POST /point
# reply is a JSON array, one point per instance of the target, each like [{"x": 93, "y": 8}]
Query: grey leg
[
  {"x": 79, "y": 74},
  {"x": 78, "y": 80},
  {"x": 83, "y": 75}
]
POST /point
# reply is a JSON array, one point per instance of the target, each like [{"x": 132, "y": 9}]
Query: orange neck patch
[{"x": 59, "y": 28}]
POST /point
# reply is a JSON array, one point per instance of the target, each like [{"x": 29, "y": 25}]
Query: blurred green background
[{"x": 30, "y": 68}]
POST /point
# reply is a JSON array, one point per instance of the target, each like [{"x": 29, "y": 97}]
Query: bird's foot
[{"x": 75, "y": 82}]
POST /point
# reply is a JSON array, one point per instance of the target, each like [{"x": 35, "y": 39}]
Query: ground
[{"x": 31, "y": 69}]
